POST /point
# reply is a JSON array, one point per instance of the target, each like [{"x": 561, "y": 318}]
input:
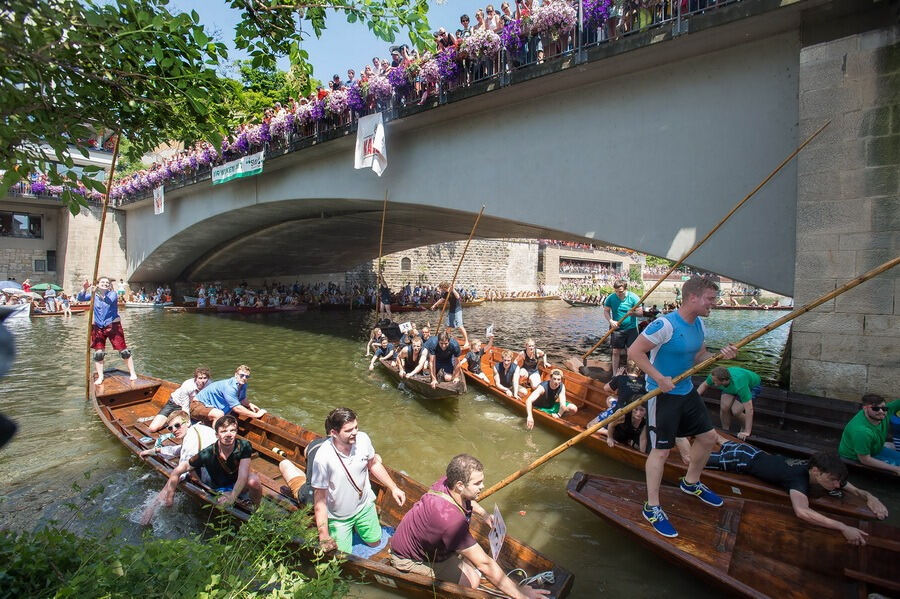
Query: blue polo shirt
[
  {"x": 224, "y": 394},
  {"x": 106, "y": 307},
  {"x": 677, "y": 342}
]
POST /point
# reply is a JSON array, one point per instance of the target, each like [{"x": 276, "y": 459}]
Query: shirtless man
[
  {"x": 412, "y": 358},
  {"x": 549, "y": 397},
  {"x": 506, "y": 374}
]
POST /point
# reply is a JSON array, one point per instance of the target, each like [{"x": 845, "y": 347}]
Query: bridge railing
[{"x": 631, "y": 18}]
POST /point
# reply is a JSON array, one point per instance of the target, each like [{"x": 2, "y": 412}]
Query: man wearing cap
[{"x": 336, "y": 82}]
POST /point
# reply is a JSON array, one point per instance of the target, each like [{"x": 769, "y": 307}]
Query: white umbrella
[{"x": 12, "y": 291}]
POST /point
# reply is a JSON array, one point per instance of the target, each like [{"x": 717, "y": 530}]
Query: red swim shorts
[{"x": 113, "y": 332}]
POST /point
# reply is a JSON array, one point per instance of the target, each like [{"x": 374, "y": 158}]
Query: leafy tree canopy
[{"x": 70, "y": 68}]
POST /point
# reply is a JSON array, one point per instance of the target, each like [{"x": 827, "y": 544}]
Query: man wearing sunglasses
[
  {"x": 225, "y": 397},
  {"x": 865, "y": 438}
]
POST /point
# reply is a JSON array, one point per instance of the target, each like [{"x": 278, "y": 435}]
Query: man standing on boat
[
  {"x": 433, "y": 538},
  {"x": 107, "y": 325},
  {"x": 624, "y": 330},
  {"x": 737, "y": 382},
  {"x": 342, "y": 494},
  {"x": 865, "y": 438},
  {"x": 224, "y": 397},
  {"x": 675, "y": 343},
  {"x": 454, "y": 308}
]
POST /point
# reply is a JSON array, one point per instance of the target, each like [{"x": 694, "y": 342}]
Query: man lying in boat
[
  {"x": 227, "y": 466},
  {"x": 472, "y": 361},
  {"x": 180, "y": 399},
  {"x": 734, "y": 382},
  {"x": 433, "y": 538},
  {"x": 443, "y": 358},
  {"x": 384, "y": 351},
  {"x": 224, "y": 397},
  {"x": 506, "y": 374},
  {"x": 343, "y": 496},
  {"x": 866, "y": 437},
  {"x": 822, "y": 472},
  {"x": 190, "y": 439},
  {"x": 549, "y": 397},
  {"x": 412, "y": 359}
]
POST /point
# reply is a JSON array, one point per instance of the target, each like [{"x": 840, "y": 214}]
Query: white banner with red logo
[
  {"x": 371, "y": 150},
  {"x": 159, "y": 199}
]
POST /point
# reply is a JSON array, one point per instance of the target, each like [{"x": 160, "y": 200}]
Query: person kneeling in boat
[
  {"x": 412, "y": 359},
  {"x": 473, "y": 358},
  {"x": 734, "y": 382},
  {"x": 227, "y": 466},
  {"x": 384, "y": 351},
  {"x": 528, "y": 363},
  {"x": 181, "y": 398},
  {"x": 444, "y": 360},
  {"x": 506, "y": 374},
  {"x": 342, "y": 494},
  {"x": 190, "y": 439},
  {"x": 225, "y": 396},
  {"x": 549, "y": 397},
  {"x": 433, "y": 538},
  {"x": 823, "y": 472},
  {"x": 622, "y": 389}
]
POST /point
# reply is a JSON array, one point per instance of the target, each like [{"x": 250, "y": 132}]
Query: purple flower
[
  {"x": 336, "y": 102},
  {"x": 596, "y": 12},
  {"x": 38, "y": 187},
  {"x": 447, "y": 64},
  {"x": 554, "y": 18},
  {"x": 242, "y": 145},
  {"x": 193, "y": 161},
  {"x": 264, "y": 134},
  {"x": 355, "y": 100},
  {"x": 430, "y": 71},
  {"x": 482, "y": 44},
  {"x": 511, "y": 36},
  {"x": 289, "y": 121},
  {"x": 397, "y": 77},
  {"x": 317, "y": 110},
  {"x": 380, "y": 87}
]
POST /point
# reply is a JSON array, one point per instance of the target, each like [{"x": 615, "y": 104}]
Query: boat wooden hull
[
  {"x": 120, "y": 403},
  {"x": 590, "y": 398},
  {"x": 536, "y": 298},
  {"x": 147, "y": 304},
  {"x": 473, "y": 303},
  {"x": 750, "y": 548},
  {"x": 579, "y": 304},
  {"x": 42, "y": 314},
  {"x": 421, "y": 385}
]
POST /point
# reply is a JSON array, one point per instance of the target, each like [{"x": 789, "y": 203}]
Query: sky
[{"x": 342, "y": 45}]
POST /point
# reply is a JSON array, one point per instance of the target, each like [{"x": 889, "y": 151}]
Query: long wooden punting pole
[
  {"x": 90, "y": 313},
  {"x": 380, "y": 242},
  {"x": 708, "y": 235},
  {"x": 704, "y": 364},
  {"x": 453, "y": 282}
]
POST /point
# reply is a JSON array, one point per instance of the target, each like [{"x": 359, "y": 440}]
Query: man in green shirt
[
  {"x": 625, "y": 330},
  {"x": 865, "y": 438},
  {"x": 734, "y": 382}
]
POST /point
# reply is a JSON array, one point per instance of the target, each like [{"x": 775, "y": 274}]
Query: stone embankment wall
[
  {"x": 848, "y": 217},
  {"x": 18, "y": 254},
  {"x": 78, "y": 246}
]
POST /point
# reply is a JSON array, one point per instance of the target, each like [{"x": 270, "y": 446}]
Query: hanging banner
[
  {"x": 371, "y": 148},
  {"x": 159, "y": 199},
  {"x": 236, "y": 169}
]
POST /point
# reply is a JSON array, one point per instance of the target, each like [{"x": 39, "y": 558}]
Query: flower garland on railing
[
  {"x": 336, "y": 102},
  {"x": 380, "y": 87},
  {"x": 430, "y": 71},
  {"x": 356, "y": 98},
  {"x": 554, "y": 18},
  {"x": 482, "y": 44},
  {"x": 512, "y": 37},
  {"x": 596, "y": 12},
  {"x": 448, "y": 64}
]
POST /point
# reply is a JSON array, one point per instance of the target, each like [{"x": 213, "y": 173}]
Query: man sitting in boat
[
  {"x": 472, "y": 360},
  {"x": 865, "y": 437},
  {"x": 506, "y": 374},
  {"x": 528, "y": 363},
  {"x": 374, "y": 341},
  {"x": 225, "y": 396},
  {"x": 444, "y": 360},
  {"x": 343, "y": 497},
  {"x": 433, "y": 538},
  {"x": 106, "y": 325},
  {"x": 227, "y": 466},
  {"x": 823, "y": 472},
  {"x": 180, "y": 399},
  {"x": 190, "y": 440},
  {"x": 734, "y": 382},
  {"x": 412, "y": 359},
  {"x": 384, "y": 351},
  {"x": 549, "y": 397}
]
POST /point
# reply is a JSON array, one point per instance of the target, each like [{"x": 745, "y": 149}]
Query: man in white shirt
[
  {"x": 343, "y": 497},
  {"x": 180, "y": 399}
]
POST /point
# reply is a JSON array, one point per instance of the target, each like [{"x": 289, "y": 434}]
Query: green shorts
[
  {"x": 554, "y": 409},
  {"x": 365, "y": 522}
]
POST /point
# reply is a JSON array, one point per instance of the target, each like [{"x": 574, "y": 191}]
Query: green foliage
[
  {"x": 656, "y": 261},
  {"x": 634, "y": 274},
  {"x": 253, "y": 561}
]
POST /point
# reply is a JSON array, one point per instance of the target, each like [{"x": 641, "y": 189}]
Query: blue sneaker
[
  {"x": 702, "y": 493},
  {"x": 657, "y": 518}
]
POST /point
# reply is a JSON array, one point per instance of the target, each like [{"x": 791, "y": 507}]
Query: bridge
[{"x": 644, "y": 142}]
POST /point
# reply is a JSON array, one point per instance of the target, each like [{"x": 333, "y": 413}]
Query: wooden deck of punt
[
  {"x": 588, "y": 395},
  {"x": 527, "y": 298},
  {"x": 473, "y": 303},
  {"x": 120, "y": 403},
  {"x": 750, "y": 548},
  {"x": 422, "y": 384}
]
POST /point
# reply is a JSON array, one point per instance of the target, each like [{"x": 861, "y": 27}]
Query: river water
[{"x": 64, "y": 465}]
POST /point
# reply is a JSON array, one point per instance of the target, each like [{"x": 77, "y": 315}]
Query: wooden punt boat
[
  {"x": 147, "y": 304},
  {"x": 122, "y": 403},
  {"x": 406, "y": 308},
  {"x": 526, "y": 298},
  {"x": 82, "y": 306},
  {"x": 750, "y": 548},
  {"x": 421, "y": 384},
  {"x": 473, "y": 303},
  {"x": 38, "y": 313},
  {"x": 580, "y": 304},
  {"x": 588, "y": 395}
]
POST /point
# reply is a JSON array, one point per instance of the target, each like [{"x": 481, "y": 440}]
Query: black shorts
[
  {"x": 169, "y": 408},
  {"x": 623, "y": 339},
  {"x": 670, "y": 416}
]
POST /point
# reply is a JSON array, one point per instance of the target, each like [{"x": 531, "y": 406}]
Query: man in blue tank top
[{"x": 675, "y": 343}]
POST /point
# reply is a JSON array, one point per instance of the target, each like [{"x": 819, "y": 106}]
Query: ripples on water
[{"x": 303, "y": 365}]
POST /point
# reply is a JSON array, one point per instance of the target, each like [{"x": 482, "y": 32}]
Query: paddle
[
  {"x": 704, "y": 364},
  {"x": 90, "y": 310},
  {"x": 380, "y": 277},
  {"x": 453, "y": 282},
  {"x": 702, "y": 241}
]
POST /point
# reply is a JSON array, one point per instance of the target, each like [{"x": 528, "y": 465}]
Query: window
[
  {"x": 15, "y": 224},
  {"x": 40, "y": 266},
  {"x": 51, "y": 260},
  {"x": 405, "y": 264}
]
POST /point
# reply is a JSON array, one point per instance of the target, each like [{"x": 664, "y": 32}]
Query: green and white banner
[{"x": 244, "y": 167}]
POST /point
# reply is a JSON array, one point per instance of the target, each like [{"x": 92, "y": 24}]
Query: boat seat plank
[{"x": 883, "y": 583}]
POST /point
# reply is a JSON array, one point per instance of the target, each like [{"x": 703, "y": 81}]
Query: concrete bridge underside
[{"x": 646, "y": 149}]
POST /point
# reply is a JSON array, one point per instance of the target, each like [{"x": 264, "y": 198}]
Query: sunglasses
[
  {"x": 878, "y": 408},
  {"x": 174, "y": 426}
]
